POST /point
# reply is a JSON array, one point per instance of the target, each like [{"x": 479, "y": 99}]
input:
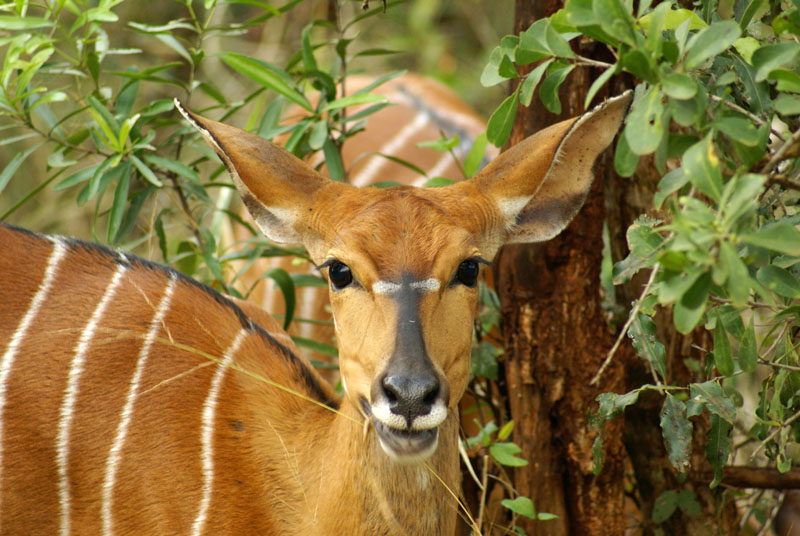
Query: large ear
[
  {"x": 276, "y": 187},
  {"x": 541, "y": 183}
]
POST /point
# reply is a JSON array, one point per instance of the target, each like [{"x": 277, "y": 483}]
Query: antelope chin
[{"x": 407, "y": 446}]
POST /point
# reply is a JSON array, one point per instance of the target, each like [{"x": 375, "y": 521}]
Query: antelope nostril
[{"x": 410, "y": 396}]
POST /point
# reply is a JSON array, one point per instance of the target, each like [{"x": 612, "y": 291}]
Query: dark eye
[
  {"x": 339, "y": 274},
  {"x": 467, "y": 273}
]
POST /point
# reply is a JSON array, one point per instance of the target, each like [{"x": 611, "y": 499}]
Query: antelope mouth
[{"x": 404, "y": 445}]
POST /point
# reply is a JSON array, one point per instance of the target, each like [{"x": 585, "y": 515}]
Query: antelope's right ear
[
  {"x": 539, "y": 185},
  {"x": 276, "y": 187}
]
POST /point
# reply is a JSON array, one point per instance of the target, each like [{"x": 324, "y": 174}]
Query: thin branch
[
  {"x": 624, "y": 331},
  {"x": 779, "y": 154},
  {"x": 743, "y": 476}
]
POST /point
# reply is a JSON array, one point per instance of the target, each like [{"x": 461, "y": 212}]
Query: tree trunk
[{"x": 557, "y": 336}]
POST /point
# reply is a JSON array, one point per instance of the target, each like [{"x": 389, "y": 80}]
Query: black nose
[{"x": 410, "y": 397}]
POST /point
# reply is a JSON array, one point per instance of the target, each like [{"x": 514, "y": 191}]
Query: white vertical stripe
[
  {"x": 7, "y": 361},
  {"x": 71, "y": 396},
  {"x": 115, "y": 454},
  {"x": 375, "y": 163},
  {"x": 207, "y": 437}
]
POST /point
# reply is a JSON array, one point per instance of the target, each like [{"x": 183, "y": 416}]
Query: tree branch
[{"x": 742, "y": 476}]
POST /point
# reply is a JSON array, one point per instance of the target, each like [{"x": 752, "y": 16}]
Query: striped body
[
  {"x": 116, "y": 387},
  {"x": 422, "y": 110}
]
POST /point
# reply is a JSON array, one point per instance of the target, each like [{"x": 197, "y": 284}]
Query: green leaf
[
  {"x": 643, "y": 338},
  {"x": 8, "y": 22},
  {"x": 670, "y": 183},
  {"x": 711, "y": 395},
  {"x": 719, "y": 446},
  {"x": 687, "y": 501},
  {"x": 779, "y": 281},
  {"x": 787, "y": 104},
  {"x": 702, "y": 167},
  {"x": 319, "y": 133},
  {"x": 677, "y": 431},
  {"x": 787, "y": 80},
  {"x": 315, "y": 346},
  {"x": 474, "y": 159},
  {"x": 146, "y": 172},
  {"x": 679, "y": 86},
  {"x": 711, "y": 41},
  {"x": 739, "y": 129},
  {"x": 354, "y": 100},
  {"x": 748, "y": 349},
  {"x": 688, "y": 311},
  {"x": 14, "y": 164},
  {"x": 599, "y": 82},
  {"x": 175, "y": 166},
  {"x": 531, "y": 81},
  {"x": 119, "y": 203},
  {"x": 644, "y": 128},
  {"x": 499, "y": 127},
  {"x": 521, "y": 506},
  {"x": 286, "y": 284},
  {"x": 770, "y": 57},
  {"x": 781, "y": 237},
  {"x": 664, "y": 506},
  {"x": 505, "y": 454},
  {"x": 625, "y": 160},
  {"x": 738, "y": 277},
  {"x": 483, "y": 363},
  {"x": 333, "y": 160},
  {"x": 505, "y": 431},
  {"x": 637, "y": 63},
  {"x": 615, "y": 20},
  {"x": 723, "y": 357},
  {"x": 490, "y": 76},
  {"x": 266, "y": 75},
  {"x": 549, "y": 88}
]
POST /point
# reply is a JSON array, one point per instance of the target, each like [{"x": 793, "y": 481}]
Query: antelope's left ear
[{"x": 540, "y": 184}]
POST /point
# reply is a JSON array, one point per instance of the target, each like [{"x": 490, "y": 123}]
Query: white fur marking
[
  {"x": 375, "y": 163},
  {"x": 385, "y": 287},
  {"x": 510, "y": 208},
  {"x": 115, "y": 454},
  {"x": 71, "y": 396},
  {"x": 207, "y": 438},
  {"x": 432, "y": 419},
  {"x": 7, "y": 361},
  {"x": 428, "y": 285}
]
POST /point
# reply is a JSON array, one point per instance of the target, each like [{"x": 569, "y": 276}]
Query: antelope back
[
  {"x": 123, "y": 408},
  {"x": 421, "y": 110}
]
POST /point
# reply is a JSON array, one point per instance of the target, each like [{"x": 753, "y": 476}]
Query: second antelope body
[{"x": 136, "y": 401}]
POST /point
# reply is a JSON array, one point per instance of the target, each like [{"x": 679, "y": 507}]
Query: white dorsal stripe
[
  {"x": 7, "y": 361},
  {"x": 376, "y": 162},
  {"x": 207, "y": 438},
  {"x": 71, "y": 396},
  {"x": 115, "y": 453},
  {"x": 386, "y": 287}
]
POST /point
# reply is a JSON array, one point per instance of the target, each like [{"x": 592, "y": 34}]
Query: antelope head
[{"x": 403, "y": 263}]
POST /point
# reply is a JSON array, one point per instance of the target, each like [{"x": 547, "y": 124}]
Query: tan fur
[{"x": 280, "y": 459}]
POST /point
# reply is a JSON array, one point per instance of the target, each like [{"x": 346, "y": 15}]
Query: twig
[
  {"x": 734, "y": 106},
  {"x": 775, "y": 432},
  {"x": 778, "y": 156},
  {"x": 484, "y": 487},
  {"x": 744, "y": 476},
  {"x": 624, "y": 331}
]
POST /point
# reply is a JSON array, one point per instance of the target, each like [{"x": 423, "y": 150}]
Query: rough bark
[{"x": 557, "y": 338}]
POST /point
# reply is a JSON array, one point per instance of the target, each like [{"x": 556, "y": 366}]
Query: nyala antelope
[{"x": 134, "y": 400}]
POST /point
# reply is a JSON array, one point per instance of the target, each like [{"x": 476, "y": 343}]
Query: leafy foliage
[{"x": 716, "y": 113}]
